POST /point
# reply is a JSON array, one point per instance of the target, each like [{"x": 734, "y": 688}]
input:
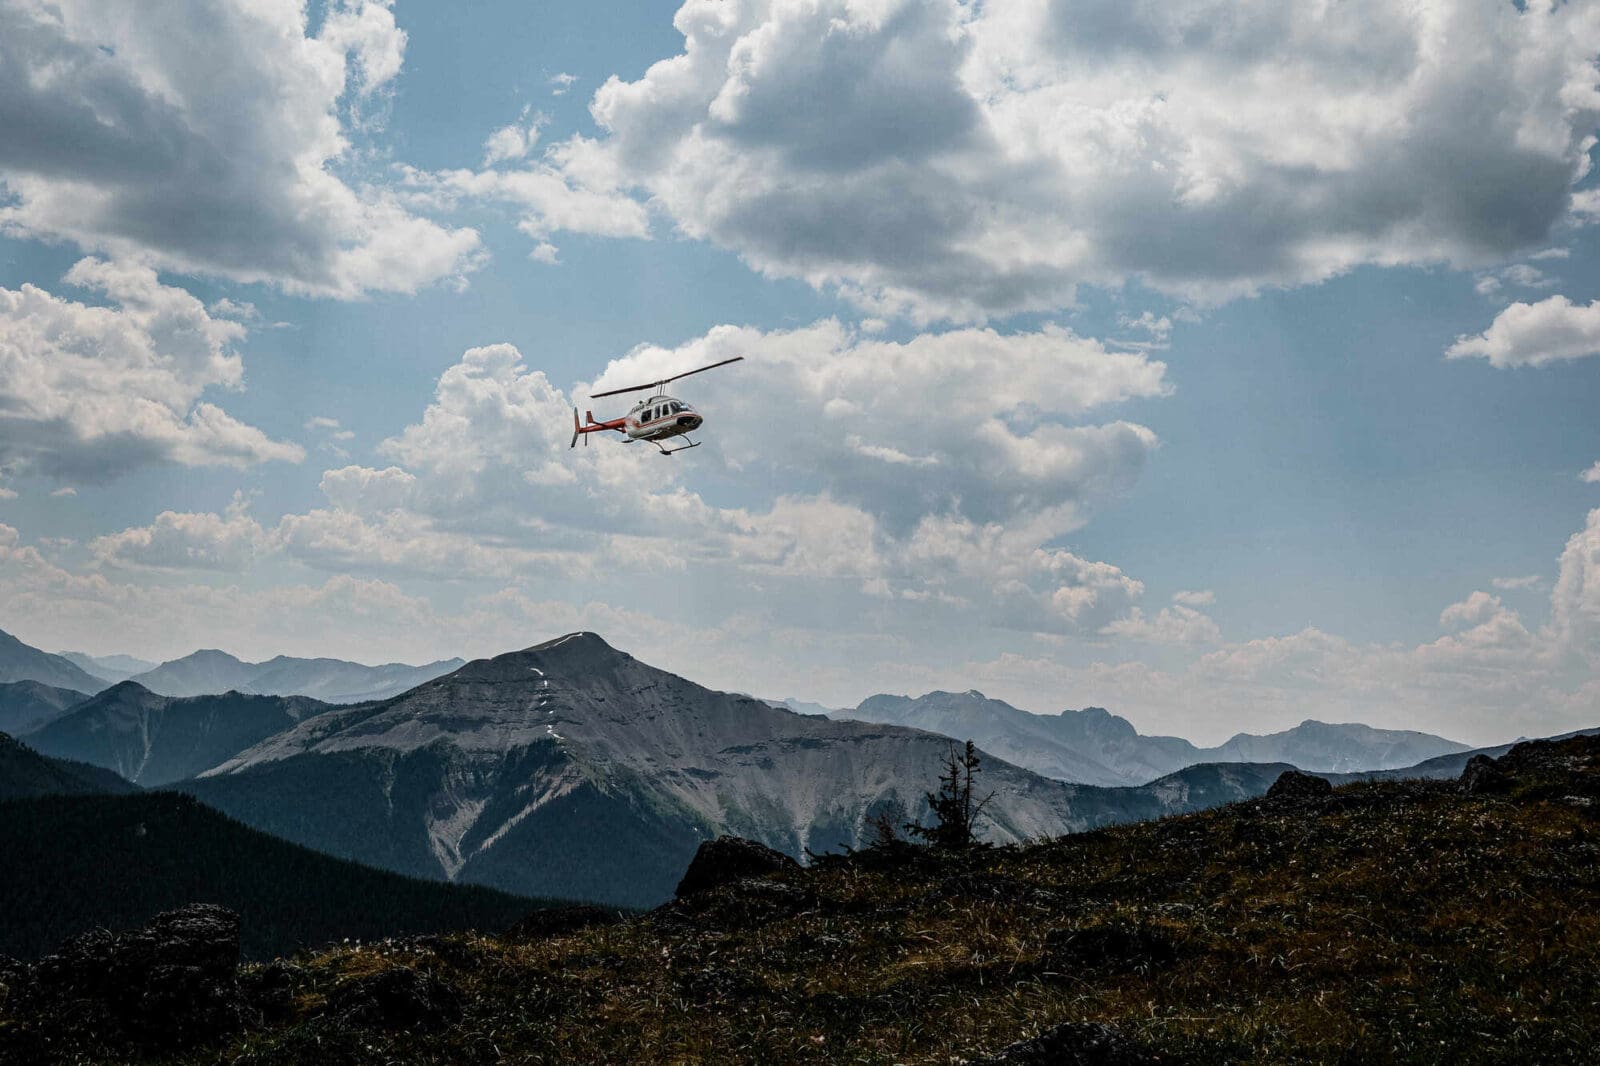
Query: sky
[{"x": 1224, "y": 364}]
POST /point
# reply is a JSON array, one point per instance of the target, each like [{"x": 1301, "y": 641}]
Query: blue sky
[{"x": 1222, "y": 364}]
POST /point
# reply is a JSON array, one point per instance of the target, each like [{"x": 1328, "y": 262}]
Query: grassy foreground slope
[{"x": 1385, "y": 921}]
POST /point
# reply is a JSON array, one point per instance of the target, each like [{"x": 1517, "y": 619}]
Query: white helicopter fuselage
[{"x": 661, "y": 417}]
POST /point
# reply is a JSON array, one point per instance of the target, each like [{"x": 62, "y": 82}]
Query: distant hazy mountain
[
  {"x": 804, "y": 707},
  {"x": 27, "y": 705},
  {"x": 1313, "y": 745},
  {"x": 24, "y": 774},
  {"x": 84, "y": 862},
  {"x": 1096, "y": 747},
  {"x": 109, "y": 668},
  {"x": 23, "y": 662},
  {"x": 330, "y": 680},
  {"x": 1445, "y": 767},
  {"x": 571, "y": 769},
  {"x": 154, "y": 740},
  {"x": 997, "y": 727}
]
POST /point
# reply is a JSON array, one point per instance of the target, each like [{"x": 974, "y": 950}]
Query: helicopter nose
[{"x": 690, "y": 421}]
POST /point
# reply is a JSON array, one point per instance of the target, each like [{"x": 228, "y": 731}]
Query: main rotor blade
[
  {"x": 663, "y": 381},
  {"x": 614, "y": 392},
  {"x": 711, "y": 366}
]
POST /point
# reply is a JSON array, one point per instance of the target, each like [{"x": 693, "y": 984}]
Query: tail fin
[{"x": 576, "y": 430}]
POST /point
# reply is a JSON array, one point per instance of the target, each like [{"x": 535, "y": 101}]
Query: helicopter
[{"x": 659, "y": 418}]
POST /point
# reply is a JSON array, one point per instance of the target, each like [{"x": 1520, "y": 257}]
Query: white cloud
[
  {"x": 1194, "y": 597},
  {"x": 516, "y": 140},
  {"x": 7, "y": 494},
  {"x": 1592, "y": 475},
  {"x": 972, "y": 420},
  {"x": 88, "y": 393},
  {"x": 186, "y": 541},
  {"x": 561, "y": 83},
  {"x": 1472, "y": 611},
  {"x": 65, "y": 490},
  {"x": 1575, "y": 601},
  {"x": 1550, "y": 331},
  {"x": 1514, "y": 584},
  {"x": 549, "y": 199},
  {"x": 204, "y": 137},
  {"x": 1177, "y": 624},
  {"x": 991, "y": 465},
  {"x": 956, "y": 161}
]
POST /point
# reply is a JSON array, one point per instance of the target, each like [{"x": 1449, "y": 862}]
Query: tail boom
[{"x": 583, "y": 429}]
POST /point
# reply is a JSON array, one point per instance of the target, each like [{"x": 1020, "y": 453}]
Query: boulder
[
  {"x": 1072, "y": 1044},
  {"x": 727, "y": 859},
  {"x": 1294, "y": 786}
]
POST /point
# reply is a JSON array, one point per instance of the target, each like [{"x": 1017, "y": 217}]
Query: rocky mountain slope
[
  {"x": 155, "y": 740},
  {"x": 1404, "y": 922},
  {"x": 24, "y": 774},
  {"x": 79, "y": 863},
  {"x": 571, "y": 769},
  {"x": 1094, "y": 746},
  {"x": 27, "y": 705},
  {"x": 330, "y": 680},
  {"x": 23, "y": 662}
]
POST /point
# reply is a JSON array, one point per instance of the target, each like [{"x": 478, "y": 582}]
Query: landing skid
[{"x": 680, "y": 448}]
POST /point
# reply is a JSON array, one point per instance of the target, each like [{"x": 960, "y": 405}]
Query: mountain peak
[
  {"x": 581, "y": 639},
  {"x": 576, "y": 651}
]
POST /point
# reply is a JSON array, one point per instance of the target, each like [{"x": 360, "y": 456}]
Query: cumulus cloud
[
  {"x": 971, "y": 421},
  {"x": 204, "y": 137},
  {"x": 1177, "y": 624},
  {"x": 88, "y": 393},
  {"x": 1550, "y": 331},
  {"x": 187, "y": 541},
  {"x": 516, "y": 140},
  {"x": 955, "y": 161},
  {"x": 1575, "y": 601},
  {"x": 1474, "y": 610},
  {"x": 1592, "y": 475},
  {"x": 936, "y": 474}
]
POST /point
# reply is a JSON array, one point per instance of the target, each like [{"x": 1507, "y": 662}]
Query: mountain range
[
  {"x": 331, "y": 680},
  {"x": 1095, "y": 746},
  {"x": 572, "y": 769},
  {"x": 155, "y": 740},
  {"x": 27, "y": 705},
  {"x": 22, "y": 662},
  {"x": 209, "y": 672},
  {"x": 108, "y": 668}
]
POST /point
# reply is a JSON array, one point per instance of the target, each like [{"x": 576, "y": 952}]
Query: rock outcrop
[{"x": 728, "y": 859}]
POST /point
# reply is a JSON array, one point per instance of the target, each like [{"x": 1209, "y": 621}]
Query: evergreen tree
[{"x": 954, "y": 806}]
